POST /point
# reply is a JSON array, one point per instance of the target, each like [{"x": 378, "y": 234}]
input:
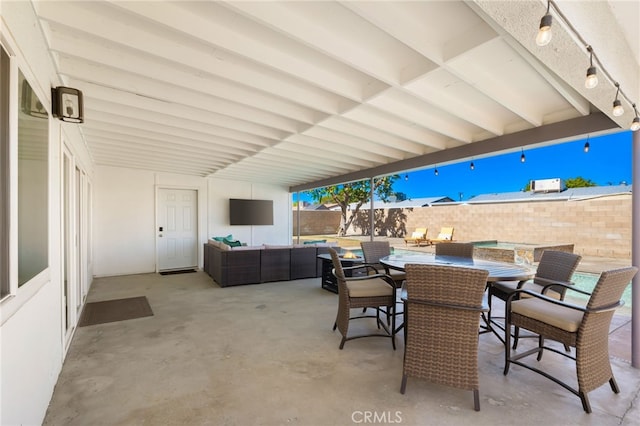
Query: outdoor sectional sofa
[{"x": 229, "y": 266}]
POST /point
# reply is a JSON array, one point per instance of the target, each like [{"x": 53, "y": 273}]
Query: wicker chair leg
[
  {"x": 614, "y": 385},
  {"x": 342, "y": 342},
  {"x": 540, "y": 347},
  {"x": 476, "y": 399},
  {"x": 585, "y": 402},
  {"x": 335, "y": 325},
  {"x": 516, "y": 336},
  {"x": 403, "y": 385},
  {"x": 507, "y": 349}
]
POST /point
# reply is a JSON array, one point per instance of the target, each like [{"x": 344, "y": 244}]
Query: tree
[
  {"x": 578, "y": 182},
  {"x": 357, "y": 193}
]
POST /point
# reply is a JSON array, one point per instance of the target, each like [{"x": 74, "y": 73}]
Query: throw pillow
[
  {"x": 221, "y": 239},
  {"x": 232, "y": 243}
]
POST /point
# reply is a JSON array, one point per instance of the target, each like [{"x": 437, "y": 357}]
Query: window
[
  {"x": 4, "y": 172},
  {"x": 33, "y": 183}
]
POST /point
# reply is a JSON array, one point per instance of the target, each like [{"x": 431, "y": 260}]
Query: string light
[
  {"x": 617, "y": 105},
  {"x": 406, "y": 177},
  {"x": 586, "y": 145},
  {"x": 543, "y": 38},
  {"x": 544, "y": 33},
  {"x": 435, "y": 171},
  {"x": 472, "y": 166},
  {"x": 592, "y": 76},
  {"x": 522, "y": 157},
  {"x": 635, "y": 124}
]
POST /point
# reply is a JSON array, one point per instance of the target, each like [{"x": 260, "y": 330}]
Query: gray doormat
[
  {"x": 177, "y": 271},
  {"x": 115, "y": 310}
]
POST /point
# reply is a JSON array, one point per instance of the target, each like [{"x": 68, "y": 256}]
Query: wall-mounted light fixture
[
  {"x": 543, "y": 37},
  {"x": 67, "y": 104},
  {"x": 30, "y": 104}
]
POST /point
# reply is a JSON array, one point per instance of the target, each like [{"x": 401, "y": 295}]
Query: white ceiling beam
[
  {"x": 235, "y": 34},
  {"x": 176, "y": 110},
  {"x": 144, "y": 86}
]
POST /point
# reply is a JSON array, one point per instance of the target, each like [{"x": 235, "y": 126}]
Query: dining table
[{"x": 498, "y": 271}]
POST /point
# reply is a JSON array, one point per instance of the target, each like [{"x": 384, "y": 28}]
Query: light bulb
[
  {"x": 592, "y": 78},
  {"x": 544, "y": 34},
  {"x": 617, "y": 108},
  {"x": 523, "y": 158},
  {"x": 472, "y": 166},
  {"x": 586, "y": 147},
  {"x": 435, "y": 171},
  {"x": 635, "y": 124}
]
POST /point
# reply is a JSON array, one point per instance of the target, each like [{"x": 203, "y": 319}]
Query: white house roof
[
  {"x": 294, "y": 93},
  {"x": 413, "y": 203},
  {"x": 567, "y": 194}
]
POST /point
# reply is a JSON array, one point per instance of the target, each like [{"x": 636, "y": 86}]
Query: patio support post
[
  {"x": 298, "y": 216},
  {"x": 371, "y": 212},
  {"x": 635, "y": 249}
]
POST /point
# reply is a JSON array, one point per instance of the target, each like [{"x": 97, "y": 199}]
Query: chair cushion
[
  {"x": 558, "y": 316},
  {"x": 369, "y": 288}
]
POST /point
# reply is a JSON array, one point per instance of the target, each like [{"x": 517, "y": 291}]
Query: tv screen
[{"x": 250, "y": 212}]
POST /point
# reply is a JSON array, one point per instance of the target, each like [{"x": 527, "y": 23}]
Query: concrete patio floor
[{"x": 265, "y": 354}]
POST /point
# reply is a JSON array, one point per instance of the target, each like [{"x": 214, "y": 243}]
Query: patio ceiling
[{"x": 295, "y": 93}]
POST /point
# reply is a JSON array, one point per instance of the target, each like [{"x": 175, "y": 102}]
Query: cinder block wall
[
  {"x": 316, "y": 222},
  {"x": 597, "y": 227}
]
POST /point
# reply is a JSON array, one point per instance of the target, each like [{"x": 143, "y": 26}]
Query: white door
[{"x": 177, "y": 233}]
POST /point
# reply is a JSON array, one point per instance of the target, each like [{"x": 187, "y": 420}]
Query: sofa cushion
[
  {"x": 276, "y": 246},
  {"x": 239, "y": 248}
]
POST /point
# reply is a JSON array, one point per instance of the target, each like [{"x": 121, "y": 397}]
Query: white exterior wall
[
  {"x": 32, "y": 340},
  {"x": 125, "y": 218},
  {"x": 221, "y": 190}
]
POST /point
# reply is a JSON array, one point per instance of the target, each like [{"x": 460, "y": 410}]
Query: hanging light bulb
[
  {"x": 435, "y": 171},
  {"x": 592, "y": 77},
  {"x": 617, "y": 105},
  {"x": 586, "y": 145},
  {"x": 472, "y": 166},
  {"x": 544, "y": 33},
  {"x": 635, "y": 124},
  {"x": 522, "y": 157},
  {"x": 406, "y": 177}
]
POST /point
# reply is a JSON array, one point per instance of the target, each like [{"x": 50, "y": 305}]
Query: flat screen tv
[{"x": 250, "y": 212}]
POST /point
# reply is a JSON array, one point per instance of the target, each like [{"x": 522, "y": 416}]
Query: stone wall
[{"x": 597, "y": 227}]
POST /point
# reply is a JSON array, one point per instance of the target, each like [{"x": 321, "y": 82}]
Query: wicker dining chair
[
  {"x": 373, "y": 251},
  {"x": 443, "y": 307},
  {"x": 555, "y": 267},
  {"x": 455, "y": 249},
  {"x": 363, "y": 291},
  {"x": 584, "y": 328}
]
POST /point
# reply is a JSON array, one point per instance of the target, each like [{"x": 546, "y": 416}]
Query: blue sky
[{"x": 607, "y": 162}]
